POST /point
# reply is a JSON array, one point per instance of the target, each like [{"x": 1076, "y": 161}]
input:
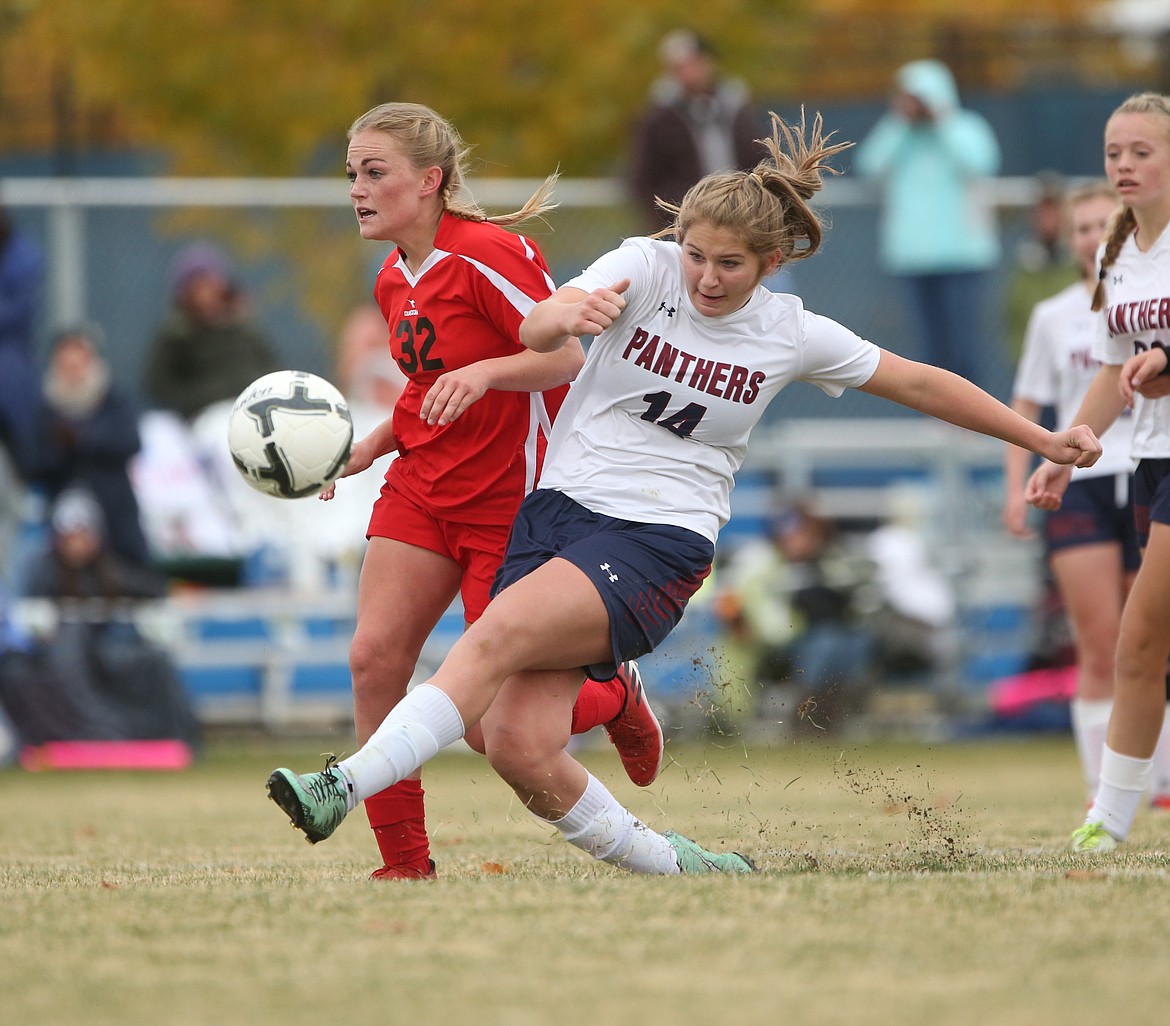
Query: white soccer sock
[
  {"x": 1090, "y": 722},
  {"x": 1123, "y": 781},
  {"x": 417, "y": 728},
  {"x": 607, "y": 831},
  {"x": 1160, "y": 778}
]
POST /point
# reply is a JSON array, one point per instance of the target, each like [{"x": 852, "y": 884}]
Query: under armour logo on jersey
[
  {"x": 670, "y": 310},
  {"x": 1118, "y": 279},
  {"x": 609, "y": 570}
]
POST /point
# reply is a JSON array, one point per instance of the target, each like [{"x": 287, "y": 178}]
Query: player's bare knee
[
  {"x": 378, "y": 671},
  {"x": 514, "y": 753}
]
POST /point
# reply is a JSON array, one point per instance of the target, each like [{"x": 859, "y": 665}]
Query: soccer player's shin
[{"x": 416, "y": 729}]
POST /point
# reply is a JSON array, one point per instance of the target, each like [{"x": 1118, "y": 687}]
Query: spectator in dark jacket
[
  {"x": 206, "y": 350},
  {"x": 87, "y": 434},
  {"x": 696, "y": 122},
  {"x": 91, "y": 675},
  {"x": 22, "y": 271}
]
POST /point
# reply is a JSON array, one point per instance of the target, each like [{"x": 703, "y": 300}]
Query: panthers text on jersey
[{"x": 1135, "y": 317}]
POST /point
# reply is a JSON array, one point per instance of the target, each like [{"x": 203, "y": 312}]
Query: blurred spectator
[
  {"x": 1043, "y": 264},
  {"x": 366, "y": 372},
  {"x": 12, "y": 508},
  {"x": 22, "y": 272},
  {"x": 87, "y": 433},
  {"x": 799, "y": 598},
  {"x": 1046, "y": 243},
  {"x": 371, "y": 381},
  {"x": 80, "y": 564},
  {"x": 189, "y": 523},
  {"x": 696, "y": 121},
  {"x": 206, "y": 349},
  {"x": 914, "y": 619},
  {"x": 86, "y": 673},
  {"x": 939, "y": 235}
]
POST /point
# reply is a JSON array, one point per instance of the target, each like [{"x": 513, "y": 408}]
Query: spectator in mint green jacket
[{"x": 938, "y": 233}]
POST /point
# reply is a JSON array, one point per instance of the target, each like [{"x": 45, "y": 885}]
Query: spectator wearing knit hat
[{"x": 206, "y": 350}]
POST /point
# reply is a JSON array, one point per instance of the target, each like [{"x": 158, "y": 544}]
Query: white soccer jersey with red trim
[
  {"x": 657, "y": 422},
  {"x": 1136, "y": 315},
  {"x": 1057, "y": 366}
]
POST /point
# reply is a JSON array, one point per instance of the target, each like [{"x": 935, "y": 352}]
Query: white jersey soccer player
[
  {"x": 1137, "y": 316},
  {"x": 688, "y": 350},
  {"x": 662, "y": 364},
  {"x": 1058, "y": 365}
]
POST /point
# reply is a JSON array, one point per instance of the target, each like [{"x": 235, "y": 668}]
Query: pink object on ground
[
  {"x": 88, "y": 755},
  {"x": 1011, "y": 696}
]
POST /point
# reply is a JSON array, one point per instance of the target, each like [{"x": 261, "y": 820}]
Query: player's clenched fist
[
  {"x": 572, "y": 312},
  {"x": 599, "y": 309},
  {"x": 1077, "y": 445}
]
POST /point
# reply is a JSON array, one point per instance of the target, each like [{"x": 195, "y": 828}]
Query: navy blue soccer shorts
[
  {"x": 1094, "y": 510},
  {"x": 1151, "y": 497},
  {"x": 644, "y": 573}
]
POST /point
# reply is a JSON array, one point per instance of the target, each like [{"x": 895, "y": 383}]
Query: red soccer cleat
[
  {"x": 405, "y": 872},
  {"x": 636, "y": 732}
]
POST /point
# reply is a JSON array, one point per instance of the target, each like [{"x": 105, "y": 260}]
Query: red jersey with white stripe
[{"x": 464, "y": 305}]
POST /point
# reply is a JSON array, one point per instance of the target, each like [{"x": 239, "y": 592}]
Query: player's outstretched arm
[
  {"x": 948, "y": 397},
  {"x": 571, "y": 312},
  {"x": 1016, "y": 465}
]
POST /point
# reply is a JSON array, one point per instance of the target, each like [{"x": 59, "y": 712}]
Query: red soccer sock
[
  {"x": 399, "y": 823},
  {"x": 599, "y": 702}
]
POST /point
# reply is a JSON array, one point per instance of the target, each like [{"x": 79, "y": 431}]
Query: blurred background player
[
  {"x": 697, "y": 121},
  {"x": 470, "y": 428},
  {"x": 1090, "y": 541},
  {"x": 1132, "y": 296}
]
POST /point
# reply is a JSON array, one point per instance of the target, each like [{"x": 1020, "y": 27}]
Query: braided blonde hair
[
  {"x": 769, "y": 206},
  {"x": 1123, "y": 223},
  {"x": 429, "y": 140}
]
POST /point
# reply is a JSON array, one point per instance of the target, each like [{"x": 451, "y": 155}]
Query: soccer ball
[{"x": 290, "y": 434}]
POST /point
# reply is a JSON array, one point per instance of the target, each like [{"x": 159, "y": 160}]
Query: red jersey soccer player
[{"x": 470, "y": 429}]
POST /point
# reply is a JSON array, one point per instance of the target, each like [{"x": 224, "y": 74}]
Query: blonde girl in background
[{"x": 1133, "y": 299}]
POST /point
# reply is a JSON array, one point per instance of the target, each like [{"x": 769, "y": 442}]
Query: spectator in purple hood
[{"x": 206, "y": 350}]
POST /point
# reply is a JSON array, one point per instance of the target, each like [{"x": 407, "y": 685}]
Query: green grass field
[{"x": 898, "y": 884}]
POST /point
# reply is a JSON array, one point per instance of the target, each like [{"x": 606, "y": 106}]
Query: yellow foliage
[{"x": 267, "y": 87}]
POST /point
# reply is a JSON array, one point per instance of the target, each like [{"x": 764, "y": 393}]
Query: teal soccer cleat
[
  {"x": 315, "y": 803},
  {"x": 694, "y": 859}
]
